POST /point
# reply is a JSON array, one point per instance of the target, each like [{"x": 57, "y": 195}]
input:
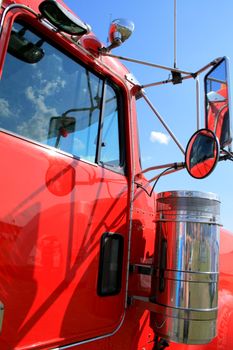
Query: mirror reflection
[
  {"x": 202, "y": 153},
  {"x": 122, "y": 27},
  {"x": 217, "y": 103},
  {"x": 61, "y": 127}
]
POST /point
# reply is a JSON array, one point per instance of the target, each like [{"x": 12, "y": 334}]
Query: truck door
[{"x": 64, "y": 196}]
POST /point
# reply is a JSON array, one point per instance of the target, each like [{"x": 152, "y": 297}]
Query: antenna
[
  {"x": 176, "y": 77},
  {"x": 175, "y": 34}
]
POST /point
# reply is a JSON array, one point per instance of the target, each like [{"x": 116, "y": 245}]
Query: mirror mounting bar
[
  {"x": 154, "y": 65},
  {"x": 188, "y": 75},
  {"x": 162, "y": 122},
  {"x": 162, "y": 166}
]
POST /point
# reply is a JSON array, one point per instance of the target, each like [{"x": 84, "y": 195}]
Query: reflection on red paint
[{"x": 60, "y": 178}]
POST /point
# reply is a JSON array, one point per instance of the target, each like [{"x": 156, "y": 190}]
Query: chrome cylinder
[{"x": 185, "y": 284}]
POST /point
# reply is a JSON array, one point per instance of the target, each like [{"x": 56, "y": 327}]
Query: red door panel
[{"x": 54, "y": 211}]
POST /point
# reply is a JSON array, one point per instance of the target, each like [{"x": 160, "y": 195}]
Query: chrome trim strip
[
  {"x": 82, "y": 342},
  {"x": 176, "y": 312},
  {"x": 48, "y": 148},
  {"x": 187, "y": 314},
  {"x": 131, "y": 204},
  {"x": 11, "y": 7},
  {"x": 181, "y": 219},
  {"x": 189, "y": 276},
  {"x": 188, "y": 194}
]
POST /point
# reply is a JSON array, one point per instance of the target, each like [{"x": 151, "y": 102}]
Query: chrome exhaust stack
[{"x": 185, "y": 283}]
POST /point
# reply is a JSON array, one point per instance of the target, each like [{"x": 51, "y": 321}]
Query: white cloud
[
  {"x": 52, "y": 86},
  {"x": 4, "y": 108},
  {"x": 37, "y": 126},
  {"x": 78, "y": 145},
  {"x": 39, "y": 101},
  {"x": 160, "y": 137},
  {"x": 146, "y": 159}
]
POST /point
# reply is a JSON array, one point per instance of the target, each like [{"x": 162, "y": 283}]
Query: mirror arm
[
  {"x": 146, "y": 63},
  {"x": 167, "y": 173},
  {"x": 105, "y": 50},
  {"x": 162, "y": 121},
  {"x": 162, "y": 166},
  {"x": 173, "y": 168},
  {"x": 166, "y": 81},
  {"x": 154, "y": 65},
  {"x": 198, "y": 102},
  {"x": 211, "y": 64},
  {"x": 226, "y": 156}
]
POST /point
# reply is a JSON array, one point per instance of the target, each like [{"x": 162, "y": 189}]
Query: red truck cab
[{"x": 77, "y": 232}]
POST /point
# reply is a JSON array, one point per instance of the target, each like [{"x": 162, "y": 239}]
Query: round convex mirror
[{"x": 202, "y": 153}]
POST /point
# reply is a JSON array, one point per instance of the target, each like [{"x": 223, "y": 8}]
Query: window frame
[
  {"x": 121, "y": 169},
  {"x": 121, "y": 129}
]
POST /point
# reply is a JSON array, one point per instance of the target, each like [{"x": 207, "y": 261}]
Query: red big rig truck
[{"x": 90, "y": 256}]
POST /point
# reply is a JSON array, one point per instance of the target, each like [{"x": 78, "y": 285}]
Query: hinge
[
  {"x": 1, "y": 315},
  {"x": 142, "y": 269}
]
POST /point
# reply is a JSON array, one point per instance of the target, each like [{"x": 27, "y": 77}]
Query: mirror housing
[
  {"x": 217, "y": 102},
  {"x": 62, "y": 19},
  {"x": 202, "y": 153},
  {"x": 24, "y": 49},
  {"x": 119, "y": 31}
]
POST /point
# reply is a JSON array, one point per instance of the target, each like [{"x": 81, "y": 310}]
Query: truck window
[
  {"x": 110, "y": 150},
  {"x": 48, "y": 97}
]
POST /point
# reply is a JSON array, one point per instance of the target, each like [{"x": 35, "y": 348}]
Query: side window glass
[
  {"x": 110, "y": 146},
  {"x": 47, "y": 97},
  {"x": 76, "y": 130}
]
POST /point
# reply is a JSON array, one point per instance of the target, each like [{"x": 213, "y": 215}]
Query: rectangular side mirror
[{"x": 217, "y": 102}]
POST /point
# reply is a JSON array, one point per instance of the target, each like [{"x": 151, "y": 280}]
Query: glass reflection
[
  {"x": 217, "y": 103},
  {"x": 202, "y": 153}
]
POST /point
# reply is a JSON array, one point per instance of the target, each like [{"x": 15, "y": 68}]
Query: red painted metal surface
[
  {"x": 54, "y": 210},
  {"x": 51, "y": 227}
]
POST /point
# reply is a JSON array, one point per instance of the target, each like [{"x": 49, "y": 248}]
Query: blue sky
[{"x": 204, "y": 32}]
